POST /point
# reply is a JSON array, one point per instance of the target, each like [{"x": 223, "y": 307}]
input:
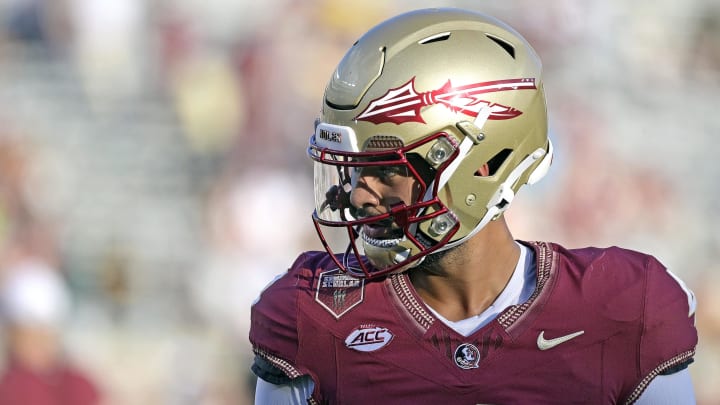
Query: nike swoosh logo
[{"x": 544, "y": 344}]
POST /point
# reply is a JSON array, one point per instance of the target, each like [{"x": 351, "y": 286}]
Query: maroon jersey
[{"x": 601, "y": 324}]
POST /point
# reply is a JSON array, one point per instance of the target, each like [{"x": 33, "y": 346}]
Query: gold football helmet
[{"x": 449, "y": 99}]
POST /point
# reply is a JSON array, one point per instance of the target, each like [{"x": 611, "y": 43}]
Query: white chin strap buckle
[{"x": 502, "y": 198}]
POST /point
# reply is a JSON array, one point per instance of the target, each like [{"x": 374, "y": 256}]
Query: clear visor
[
  {"x": 390, "y": 178},
  {"x": 333, "y": 185}
]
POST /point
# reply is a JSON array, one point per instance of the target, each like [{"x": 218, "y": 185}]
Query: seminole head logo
[
  {"x": 467, "y": 356},
  {"x": 404, "y": 103}
]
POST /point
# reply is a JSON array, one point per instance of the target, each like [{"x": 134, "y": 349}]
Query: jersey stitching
[
  {"x": 281, "y": 364},
  {"x": 425, "y": 319},
  {"x": 416, "y": 310},
  {"x": 646, "y": 282},
  {"x": 544, "y": 261},
  {"x": 679, "y": 359}
]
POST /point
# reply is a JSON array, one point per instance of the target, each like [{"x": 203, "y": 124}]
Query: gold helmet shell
[{"x": 461, "y": 90}]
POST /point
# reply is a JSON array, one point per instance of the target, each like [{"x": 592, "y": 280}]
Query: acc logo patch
[
  {"x": 338, "y": 292},
  {"x": 467, "y": 356},
  {"x": 368, "y": 338}
]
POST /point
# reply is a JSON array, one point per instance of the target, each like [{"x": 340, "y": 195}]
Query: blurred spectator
[
  {"x": 115, "y": 281},
  {"x": 208, "y": 103},
  {"x": 704, "y": 57},
  {"x": 25, "y": 21},
  {"x": 109, "y": 40},
  {"x": 39, "y": 22},
  {"x": 34, "y": 304}
]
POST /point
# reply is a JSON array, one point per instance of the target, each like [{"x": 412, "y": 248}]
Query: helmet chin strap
[{"x": 504, "y": 195}]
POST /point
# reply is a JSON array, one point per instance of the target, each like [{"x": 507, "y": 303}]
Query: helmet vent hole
[
  {"x": 503, "y": 44},
  {"x": 384, "y": 142},
  {"x": 443, "y": 36},
  {"x": 496, "y": 162}
]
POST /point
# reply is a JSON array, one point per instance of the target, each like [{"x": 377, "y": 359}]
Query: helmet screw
[
  {"x": 470, "y": 199},
  {"x": 441, "y": 224},
  {"x": 440, "y": 151}
]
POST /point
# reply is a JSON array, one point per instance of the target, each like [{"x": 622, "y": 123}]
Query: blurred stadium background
[{"x": 153, "y": 152}]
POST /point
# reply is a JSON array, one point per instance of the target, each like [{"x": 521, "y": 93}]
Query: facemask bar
[{"x": 334, "y": 178}]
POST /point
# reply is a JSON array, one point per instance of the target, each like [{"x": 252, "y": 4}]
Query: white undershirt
[{"x": 518, "y": 290}]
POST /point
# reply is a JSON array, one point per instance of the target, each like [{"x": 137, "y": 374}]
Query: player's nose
[{"x": 365, "y": 193}]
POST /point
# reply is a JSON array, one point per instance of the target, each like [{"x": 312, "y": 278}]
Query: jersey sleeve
[
  {"x": 274, "y": 320},
  {"x": 674, "y": 389},
  {"x": 295, "y": 392},
  {"x": 669, "y": 337}
]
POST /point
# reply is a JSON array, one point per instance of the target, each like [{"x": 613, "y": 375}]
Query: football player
[{"x": 430, "y": 124}]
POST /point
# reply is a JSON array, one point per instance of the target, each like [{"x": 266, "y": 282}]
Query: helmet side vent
[
  {"x": 496, "y": 162},
  {"x": 503, "y": 44},
  {"x": 443, "y": 36}
]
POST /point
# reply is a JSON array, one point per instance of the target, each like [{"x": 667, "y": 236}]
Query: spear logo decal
[{"x": 403, "y": 104}]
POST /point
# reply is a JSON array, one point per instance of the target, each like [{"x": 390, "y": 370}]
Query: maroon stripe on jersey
[{"x": 414, "y": 308}]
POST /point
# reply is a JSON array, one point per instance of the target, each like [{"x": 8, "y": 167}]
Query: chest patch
[
  {"x": 467, "y": 356},
  {"x": 368, "y": 338},
  {"x": 338, "y": 292}
]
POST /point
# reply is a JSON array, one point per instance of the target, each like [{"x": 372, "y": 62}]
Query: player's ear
[{"x": 483, "y": 171}]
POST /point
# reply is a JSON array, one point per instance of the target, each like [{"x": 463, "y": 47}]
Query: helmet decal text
[{"x": 403, "y": 104}]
